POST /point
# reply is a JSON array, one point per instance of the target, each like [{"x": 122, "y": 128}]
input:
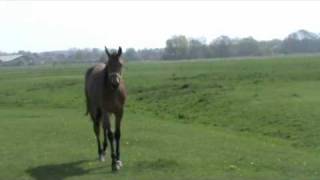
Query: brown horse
[{"x": 105, "y": 95}]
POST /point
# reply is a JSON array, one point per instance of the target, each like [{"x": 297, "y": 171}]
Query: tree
[
  {"x": 301, "y": 41},
  {"x": 221, "y": 47},
  {"x": 131, "y": 54},
  {"x": 247, "y": 47},
  {"x": 197, "y": 49},
  {"x": 176, "y": 48},
  {"x": 150, "y": 54}
]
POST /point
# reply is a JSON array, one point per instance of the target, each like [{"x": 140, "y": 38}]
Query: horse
[{"x": 106, "y": 94}]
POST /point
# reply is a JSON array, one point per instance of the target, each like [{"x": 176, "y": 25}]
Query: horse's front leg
[
  {"x": 117, "y": 138},
  {"x": 111, "y": 138},
  {"x": 105, "y": 125}
]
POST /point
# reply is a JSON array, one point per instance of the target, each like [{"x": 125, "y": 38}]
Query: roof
[{"x": 9, "y": 57}]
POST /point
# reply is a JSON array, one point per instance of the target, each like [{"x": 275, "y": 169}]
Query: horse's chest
[{"x": 111, "y": 102}]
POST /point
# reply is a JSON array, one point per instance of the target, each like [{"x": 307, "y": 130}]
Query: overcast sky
[{"x": 48, "y": 25}]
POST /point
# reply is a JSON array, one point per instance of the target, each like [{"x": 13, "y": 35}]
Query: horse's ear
[
  {"x": 107, "y": 52},
  {"x": 119, "y": 51}
]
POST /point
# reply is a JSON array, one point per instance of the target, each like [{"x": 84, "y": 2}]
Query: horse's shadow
[{"x": 60, "y": 171}]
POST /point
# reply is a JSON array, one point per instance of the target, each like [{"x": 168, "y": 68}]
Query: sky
[{"x": 56, "y": 25}]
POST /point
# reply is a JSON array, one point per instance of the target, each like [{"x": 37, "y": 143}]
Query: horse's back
[
  {"x": 94, "y": 76},
  {"x": 93, "y": 87}
]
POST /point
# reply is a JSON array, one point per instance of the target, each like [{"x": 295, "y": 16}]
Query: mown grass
[{"x": 248, "y": 119}]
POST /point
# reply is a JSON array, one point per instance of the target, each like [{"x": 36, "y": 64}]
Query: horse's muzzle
[{"x": 115, "y": 85}]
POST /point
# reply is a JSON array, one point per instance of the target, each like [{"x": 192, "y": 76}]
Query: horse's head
[{"x": 114, "y": 67}]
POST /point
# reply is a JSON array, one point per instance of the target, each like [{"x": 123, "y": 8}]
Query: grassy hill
[{"x": 209, "y": 119}]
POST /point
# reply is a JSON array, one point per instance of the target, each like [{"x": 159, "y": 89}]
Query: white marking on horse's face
[
  {"x": 114, "y": 66},
  {"x": 115, "y": 79}
]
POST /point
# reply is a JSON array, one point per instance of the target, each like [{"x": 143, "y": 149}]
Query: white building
[{"x": 16, "y": 59}]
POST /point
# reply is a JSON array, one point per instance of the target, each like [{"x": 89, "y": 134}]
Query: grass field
[{"x": 254, "y": 119}]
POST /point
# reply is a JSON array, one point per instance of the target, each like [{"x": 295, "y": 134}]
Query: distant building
[{"x": 14, "y": 60}]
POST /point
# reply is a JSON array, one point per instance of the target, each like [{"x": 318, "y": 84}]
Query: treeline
[{"x": 181, "y": 47}]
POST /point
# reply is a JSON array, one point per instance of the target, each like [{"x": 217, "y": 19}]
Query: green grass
[{"x": 251, "y": 119}]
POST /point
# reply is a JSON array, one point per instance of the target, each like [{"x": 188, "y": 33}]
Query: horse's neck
[
  {"x": 107, "y": 80},
  {"x": 106, "y": 77}
]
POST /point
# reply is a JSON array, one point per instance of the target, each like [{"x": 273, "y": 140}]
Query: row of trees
[{"x": 181, "y": 47}]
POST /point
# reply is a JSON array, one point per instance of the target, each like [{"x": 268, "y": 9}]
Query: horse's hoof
[
  {"x": 115, "y": 168},
  {"x": 102, "y": 158},
  {"x": 119, "y": 164}
]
